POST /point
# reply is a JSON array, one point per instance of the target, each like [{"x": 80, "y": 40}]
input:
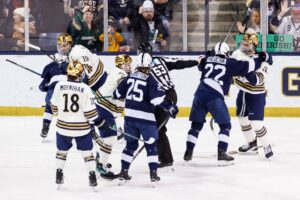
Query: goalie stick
[{"x": 16, "y": 64}]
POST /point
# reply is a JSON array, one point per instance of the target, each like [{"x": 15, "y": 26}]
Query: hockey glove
[
  {"x": 264, "y": 56},
  {"x": 43, "y": 88},
  {"x": 170, "y": 108}
]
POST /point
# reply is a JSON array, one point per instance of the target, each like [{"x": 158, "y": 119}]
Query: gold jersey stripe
[
  {"x": 96, "y": 76},
  {"x": 250, "y": 87},
  {"x": 73, "y": 125}
]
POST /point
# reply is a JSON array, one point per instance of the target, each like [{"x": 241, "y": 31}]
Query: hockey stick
[
  {"x": 150, "y": 141},
  {"x": 233, "y": 23},
  {"x": 141, "y": 149},
  {"x": 42, "y": 50},
  {"x": 32, "y": 71}
]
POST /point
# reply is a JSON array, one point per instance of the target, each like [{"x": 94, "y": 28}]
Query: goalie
[{"x": 251, "y": 99}]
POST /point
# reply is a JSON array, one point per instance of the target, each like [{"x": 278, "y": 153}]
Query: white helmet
[
  {"x": 80, "y": 54},
  {"x": 222, "y": 48},
  {"x": 144, "y": 60}
]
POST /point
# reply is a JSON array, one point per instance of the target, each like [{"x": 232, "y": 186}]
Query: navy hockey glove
[
  {"x": 43, "y": 88},
  {"x": 264, "y": 56},
  {"x": 170, "y": 108}
]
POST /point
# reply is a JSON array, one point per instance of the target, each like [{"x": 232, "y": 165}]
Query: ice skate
[
  {"x": 268, "y": 151},
  {"x": 59, "y": 178},
  {"x": 188, "y": 155},
  {"x": 154, "y": 178},
  {"x": 249, "y": 149},
  {"x": 105, "y": 171},
  {"x": 45, "y": 129},
  {"x": 224, "y": 159},
  {"x": 93, "y": 181},
  {"x": 124, "y": 177}
]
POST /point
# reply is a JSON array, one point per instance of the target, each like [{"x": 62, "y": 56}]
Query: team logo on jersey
[{"x": 291, "y": 81}]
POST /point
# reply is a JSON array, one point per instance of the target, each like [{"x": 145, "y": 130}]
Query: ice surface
[{"x": 27, "y": 167}]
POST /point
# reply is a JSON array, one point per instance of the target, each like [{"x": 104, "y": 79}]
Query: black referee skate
[
  {"x": 59, "y": 177},
  {"x": 249, "y": 149},
  {"x": 224, "y": 159},
  {"x": 268, "y": 151},
  {"x": 45, "y": 129},
  {"x": 188, "y": 155},
  {"x": 92, "y": 179}
]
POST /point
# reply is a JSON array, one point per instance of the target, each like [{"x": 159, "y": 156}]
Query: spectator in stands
[
  {"x": 70, "y": 6},
  {"x": 115, "y": 38},
  {"x": 278, "y": 12},
  {"x": 122, "y": 11},
  {"x": 148, "y": 27},
  {"x": 162, "y": 9},
  {"x": 84, "y": 30},
  {"x": 254, "y": 23},
  {"x": 19, "y": 28},
  {"x": 291, "y": 25}
]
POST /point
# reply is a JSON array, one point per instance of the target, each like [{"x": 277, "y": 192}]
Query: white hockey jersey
[
  {"x": 243, "y": 84},
  {"x": 74, "y": 105},
  {"x": 287, "y": 26},
  {"x": 93, "y": 67},
  {"x": 105, "y": 93}
]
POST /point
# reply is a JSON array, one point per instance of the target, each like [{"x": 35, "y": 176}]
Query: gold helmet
[
  {"x": 249, "y": 43},
  {"x": 123, "y": 61},
  {"x": 251, "y": 38},
  {"x": 64, "y": 44},
  {"x": 75, "y": 70}
]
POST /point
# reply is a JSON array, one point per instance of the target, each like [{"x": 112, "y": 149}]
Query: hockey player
[
  {"x": 160, "y": 68},
  {"x": 73, "y": 102},
  {"x": 251, "y": 99},
  {"x": 217, "y": 72},
  {"x": 52, "y": 73},
  {"x": 93, "y": 67},
  {"x": 109, "y": 109},
  {"x": 142, "y": 94}
]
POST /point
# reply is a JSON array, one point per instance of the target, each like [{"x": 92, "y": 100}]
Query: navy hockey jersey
[
  {"x": 142, "y": 95},
  {"x": 52, "y": 73},
  {"x": 217, "y": 72}
]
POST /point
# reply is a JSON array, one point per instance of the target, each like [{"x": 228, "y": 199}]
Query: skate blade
[
  {"x": 58, "y": 186},
  {"x": 122, "y": 182},
  {"x": 223, "y": 163},
  {"x": 154, "y": 184},
  {"x": 248, "y": 153},
  {"x": 94, "y": 188}
]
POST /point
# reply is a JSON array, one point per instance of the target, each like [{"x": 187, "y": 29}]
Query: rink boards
[{"x": 20, "y": 94}]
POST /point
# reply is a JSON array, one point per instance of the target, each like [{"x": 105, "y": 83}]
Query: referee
[{"x": 160, "y": 68}]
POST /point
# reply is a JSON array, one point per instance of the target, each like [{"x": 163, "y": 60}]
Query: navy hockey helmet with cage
[{"x": 145, "y": 47}]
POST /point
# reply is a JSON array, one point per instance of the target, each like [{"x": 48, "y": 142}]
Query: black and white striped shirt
[{"x": 161, "y": 66}]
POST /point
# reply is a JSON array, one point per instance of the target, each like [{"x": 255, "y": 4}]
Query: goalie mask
[
  {"x": 249, "y": 43},
  {"x": 123, "y": 61},
  {"x": 64, "y": 44},
  {"x": 75, "y": 71}
]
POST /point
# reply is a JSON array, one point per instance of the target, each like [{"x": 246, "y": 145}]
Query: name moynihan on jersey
[
  {"x": 72, "y": 87},
  {"x": 217, "y": 59}
]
